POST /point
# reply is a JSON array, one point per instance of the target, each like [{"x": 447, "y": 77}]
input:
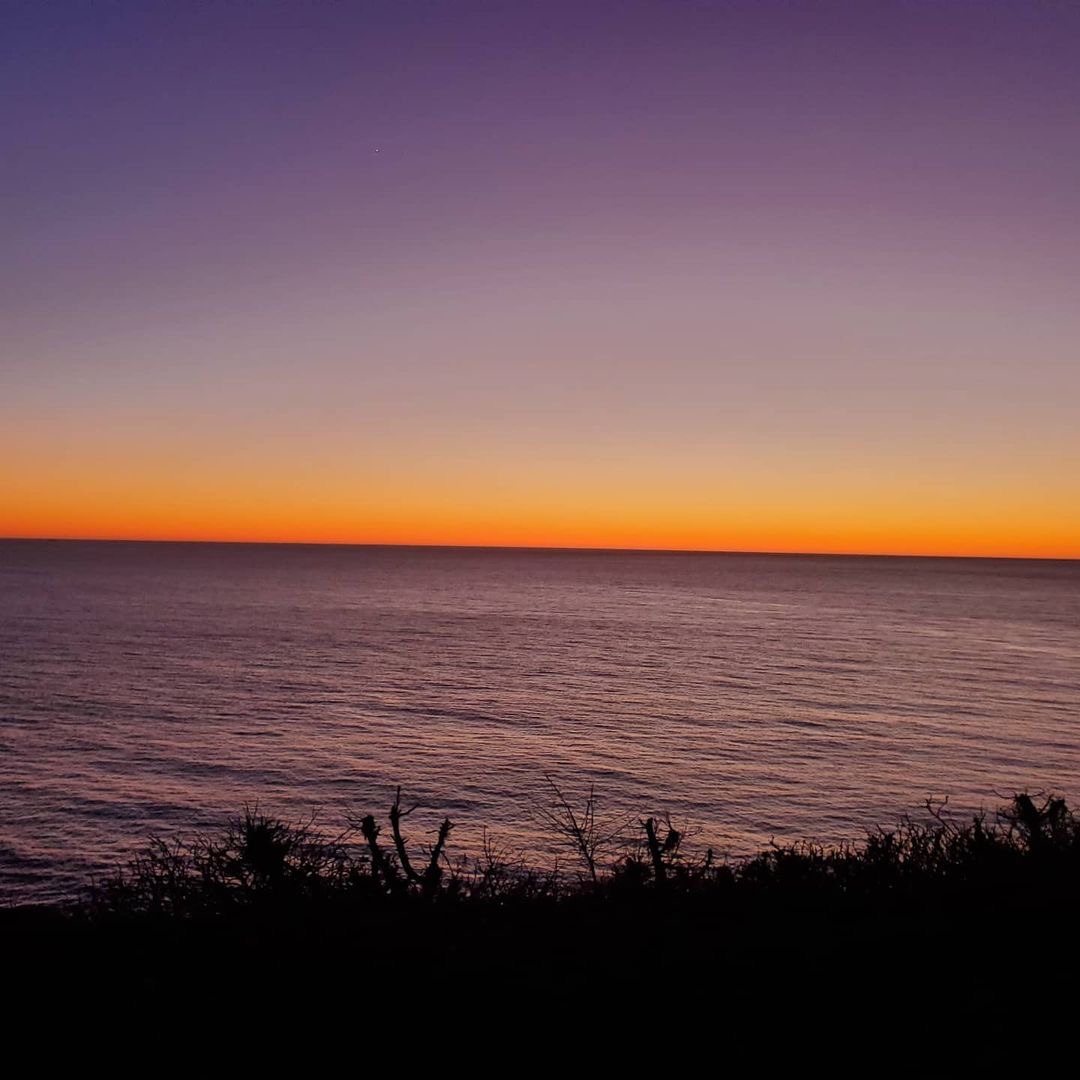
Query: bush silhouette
[
  {"x": 264, "y": 862},
  {"x": 258, "y": 860},
  {"x": 978, "y": 910}
]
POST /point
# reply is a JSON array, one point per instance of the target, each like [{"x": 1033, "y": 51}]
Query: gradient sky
[{"x": 771, "y": 276}]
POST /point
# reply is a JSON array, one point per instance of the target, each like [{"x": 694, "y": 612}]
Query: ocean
[{"x": 158, "y": 688}]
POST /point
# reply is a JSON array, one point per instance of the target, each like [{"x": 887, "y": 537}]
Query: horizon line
[{"x": 599, "y": 549}]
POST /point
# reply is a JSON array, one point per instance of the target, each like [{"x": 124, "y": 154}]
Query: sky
[{"x": 709, "y": 275}]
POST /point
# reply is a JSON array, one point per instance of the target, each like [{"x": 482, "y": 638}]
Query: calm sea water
[{"x": 160, "y": 687}]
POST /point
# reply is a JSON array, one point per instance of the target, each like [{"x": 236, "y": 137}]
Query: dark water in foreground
[{"x": 150, "y": 687}]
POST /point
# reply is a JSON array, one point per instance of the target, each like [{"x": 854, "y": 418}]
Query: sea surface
[{"x": 158, "y": 688}]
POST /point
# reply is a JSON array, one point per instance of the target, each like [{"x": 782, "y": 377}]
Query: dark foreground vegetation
[{"x": 932, "y": 925}]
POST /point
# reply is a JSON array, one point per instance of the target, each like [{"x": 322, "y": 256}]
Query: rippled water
[{"x": 159, "y": 687}]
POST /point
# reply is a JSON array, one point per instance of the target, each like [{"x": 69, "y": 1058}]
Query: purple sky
[{"x": 534, "y": 268}]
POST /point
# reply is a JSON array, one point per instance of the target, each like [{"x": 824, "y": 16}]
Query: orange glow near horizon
[
  {"x": 839, "y": 522},
  {"x": 860, "y": 494}
]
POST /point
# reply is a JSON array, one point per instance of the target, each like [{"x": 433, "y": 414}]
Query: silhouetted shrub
[
  {"x": 259, "y": 860},
  {"x": 264, "y": 863}
]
